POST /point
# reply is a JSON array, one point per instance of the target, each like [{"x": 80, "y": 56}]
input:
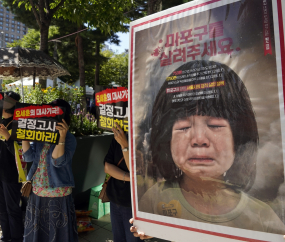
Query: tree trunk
[
  {"x": 154, "y": 6},
  {"x": 97, "y": 66},
  {"x": 81, "y": 65},
  {"x": 44, "y": 38},
  {"x": 44, "y": 47}
]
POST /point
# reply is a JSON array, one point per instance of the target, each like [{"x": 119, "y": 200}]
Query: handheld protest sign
[
  {"x": 112, "y": 106},
  {"x": 37, "y": 122},
  {"x": 206, "y": 139}
]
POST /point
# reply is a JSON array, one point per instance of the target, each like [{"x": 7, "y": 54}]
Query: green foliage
[
  {"x": 115, "y": 69},
  {"x": 104, "y": 15},
  {"x": 7, "y": 82},
  {"x": 84, "y": 124},
  {"x": 32, "y": 38},
  {"x": 40, "y": 95}
]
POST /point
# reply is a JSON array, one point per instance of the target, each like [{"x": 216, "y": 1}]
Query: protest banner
[
  {"x": 112, "y": 106},
  {"x": 34, "y": 122},
  {"x": 206, "y": 82}
]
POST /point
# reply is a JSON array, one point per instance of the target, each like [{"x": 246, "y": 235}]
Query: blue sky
[{"x": 124, "y": 37}]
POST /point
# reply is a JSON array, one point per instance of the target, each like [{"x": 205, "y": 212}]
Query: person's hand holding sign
[
  {"x": 4, "y": 132},
  {"x": 135, "y": 232},
  {"x": 60, "y": 148},
  {"x": 121, "y": 138},
  {"x": 62, "y": 128}
]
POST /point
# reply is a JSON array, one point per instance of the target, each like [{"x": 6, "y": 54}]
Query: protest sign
[
  {"x": 37, "y": 122},
  {"x": 206, "y": 83},
  {"x": 112, "y": 106}
]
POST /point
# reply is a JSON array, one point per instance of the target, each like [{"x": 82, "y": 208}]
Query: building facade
[{"x": 10, "y": 29}]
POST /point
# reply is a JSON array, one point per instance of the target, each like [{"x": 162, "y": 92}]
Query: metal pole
[
  {"x": 2, "y": 46},
  {"x": 55, "y": 55},
  {"x": 23, "y": 98}
]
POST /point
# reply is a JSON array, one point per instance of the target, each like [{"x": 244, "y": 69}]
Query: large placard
[
  {"x": 34, "y": 122},
  {"x": 207, "y": 123},
  {"x": 112, "y": 107}
]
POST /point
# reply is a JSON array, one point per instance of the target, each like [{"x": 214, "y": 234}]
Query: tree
[
  {"x": 67, "y": 50},
  {"x": 105, "y": 15},
  {"x": 115, "y": 69},
  {"x": 32, "y": 39}
]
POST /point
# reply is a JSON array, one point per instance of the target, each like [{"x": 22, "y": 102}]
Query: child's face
[{"x": 202, "y": 146}]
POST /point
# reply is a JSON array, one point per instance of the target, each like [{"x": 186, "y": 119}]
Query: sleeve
[
  {"x": 10, "y": 145},
  {"x": 110, "y": 157},
  {"x": 66, "y": 158},
  {"x": 29, "y": 155}
]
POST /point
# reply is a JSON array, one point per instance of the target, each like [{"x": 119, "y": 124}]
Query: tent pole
[
  {"x": 34, "y": 77},
  {"x": 23, "y": 98}
]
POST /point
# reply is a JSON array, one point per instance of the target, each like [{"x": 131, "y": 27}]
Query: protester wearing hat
[
  {"x": 10, "y": 211},
  {"x": 50, "y": 213}
]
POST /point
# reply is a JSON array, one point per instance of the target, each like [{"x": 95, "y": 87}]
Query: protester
[
  {"x": 10, "y": 211},
  {"x": 50, "y": 214},
  {"x": 118, "y": 189}
]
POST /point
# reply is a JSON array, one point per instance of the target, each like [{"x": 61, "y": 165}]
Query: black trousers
[{"x": 10, "y": 212}]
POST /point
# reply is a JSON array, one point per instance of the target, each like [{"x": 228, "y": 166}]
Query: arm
[
  {"x": 28, "y": 150},
  {"x": 116, "y": 172},
  {"x": 9, "y": 143},
  {"x": 121, "y": 138},
  {"x": 59, "y": 149},
  {"x": 25, "y": 145},
  {"x": 69, "y": 149}
]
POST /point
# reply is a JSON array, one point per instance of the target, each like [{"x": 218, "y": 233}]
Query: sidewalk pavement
[{"x": 102, "y": 232}]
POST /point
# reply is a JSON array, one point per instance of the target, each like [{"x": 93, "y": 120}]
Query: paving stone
[{"x": 100, "y": 235}]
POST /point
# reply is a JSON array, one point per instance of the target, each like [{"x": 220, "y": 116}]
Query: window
[
  {"x": 7, "y": 16},
  {"x": 24, "y": 32},
  {"x": 12, "y": 36},
  {"x": 7, "y": 39},
  {"x": 7, "y": 35},
  {"x": 7, "y": 28},
  {"x": 1, "y": 27},
  {"x": 13, "y": 30},
  {"x": 1, "y": 9},
  {"x": 7, "y": 20},
  {"x": 1, "y": 14},
  {"x": 12, "y": 17},
  {"x": 18, "y": 22},
  {"x": 1, "y": 22},
  {"x": 7, "y": 24},
  {"x": 1, "y": 18},
  {"x": 7, "y": 11},
  {"x": 18, "y": 31},
  {"x": 18, "y": 37},
  {"x": 18, "y": 27},
  {"x": 13, "y": 21},
  {"x": 24, "y": 28},
  {"x": 13, "y": 25},
  {"x": 12, "y": 40}
]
